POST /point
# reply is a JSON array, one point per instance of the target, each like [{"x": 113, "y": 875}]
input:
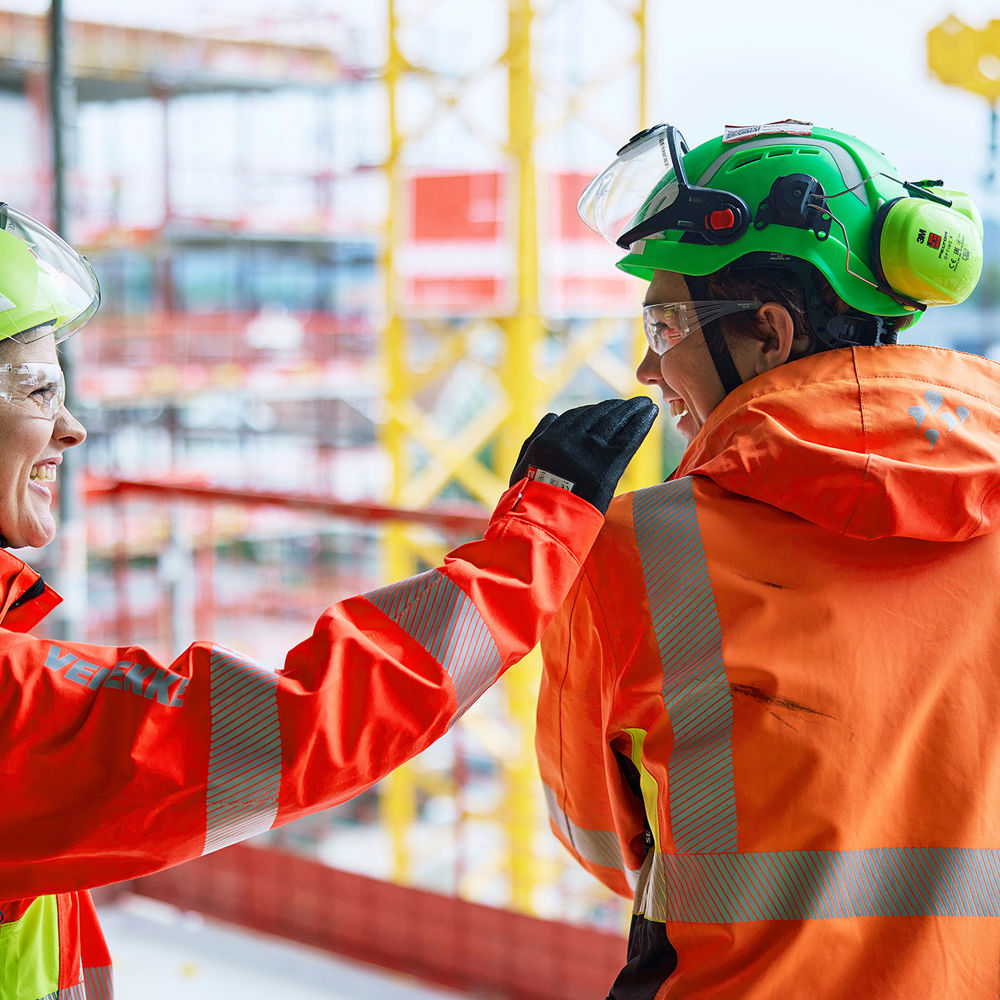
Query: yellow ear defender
[{"x": 928, "y": 245}]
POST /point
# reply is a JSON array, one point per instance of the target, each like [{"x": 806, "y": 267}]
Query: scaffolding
[
  {"x": 381, "y": 327},
  {"x": 469, "y": 375}
]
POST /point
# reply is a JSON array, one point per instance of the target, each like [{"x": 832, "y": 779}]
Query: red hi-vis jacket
[
  {"x": 769, "y": 707},
  {"x": 115, "y": 766}
]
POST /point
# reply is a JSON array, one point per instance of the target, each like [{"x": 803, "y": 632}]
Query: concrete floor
[{"x": 163, "y": 954}]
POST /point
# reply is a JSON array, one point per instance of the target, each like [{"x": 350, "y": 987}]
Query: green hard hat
[
  {"x": 46, "y": 287},
  {"x": 789, "y": 190}
]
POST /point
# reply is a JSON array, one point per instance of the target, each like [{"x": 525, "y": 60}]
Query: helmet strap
[
  {"x": 721, "y": 358},
  {"x": 718, "y": 349}
]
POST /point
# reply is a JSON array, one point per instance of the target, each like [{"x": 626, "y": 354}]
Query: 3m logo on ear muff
[{"x": 928, "y": 246}]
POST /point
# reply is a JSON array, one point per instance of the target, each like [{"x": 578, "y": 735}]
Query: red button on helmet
[{"x": 721, "y": 218}]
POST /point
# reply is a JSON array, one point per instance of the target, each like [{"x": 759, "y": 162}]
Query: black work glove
[{"x": 586, "y": 449}]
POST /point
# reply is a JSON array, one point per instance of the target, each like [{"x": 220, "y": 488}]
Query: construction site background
[{"x": 342, "y": 278}]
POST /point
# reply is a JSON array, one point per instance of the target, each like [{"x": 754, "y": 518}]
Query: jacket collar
[
  {"x": 25, "y": 598},
  {"x": 870, "y": 442}
]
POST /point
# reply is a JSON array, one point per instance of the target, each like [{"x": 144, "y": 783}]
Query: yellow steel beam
[
  {"x": 646, "y": 467},
  {"x": 453, "y": 458},
  {"x": 524, "y": 389},
  {"x": 525, "y": 332},
  {"x": 398, "y": 799}
]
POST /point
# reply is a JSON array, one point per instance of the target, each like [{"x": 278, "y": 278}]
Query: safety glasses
[
  {"x": 35, "y": 386},
  {"x": 666, "y": 324}
]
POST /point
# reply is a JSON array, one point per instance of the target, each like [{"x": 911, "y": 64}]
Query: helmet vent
[
  {"x": 778, "y": 152},
  {"x": 744, "y": 159}
]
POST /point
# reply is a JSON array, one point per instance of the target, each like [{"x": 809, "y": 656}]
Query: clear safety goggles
[
  {"x": 666, "y": 324},
  {"x": 36, "y": 386}
]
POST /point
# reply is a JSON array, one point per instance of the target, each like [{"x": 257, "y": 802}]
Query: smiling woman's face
[
  {"x": 685, "y": 374},
  {"x": 31, "y": 449}
]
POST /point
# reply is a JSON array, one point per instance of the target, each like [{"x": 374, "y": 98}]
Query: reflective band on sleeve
[
  {"x": 695, "y": 689},
  {"x": 822, "y": 885},
  {"x": 244, "y": 765},
  {"x": 442, "y": 618},
  {"x": 78, "y": 992},
  {"x": 99, "y": 982},
  {"x": 599, "y": 847}
]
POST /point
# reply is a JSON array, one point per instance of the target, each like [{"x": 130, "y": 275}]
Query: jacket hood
[{"x": 871, "y": 442}]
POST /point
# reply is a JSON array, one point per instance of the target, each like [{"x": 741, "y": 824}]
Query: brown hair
[{"x": 777, "y": 284}]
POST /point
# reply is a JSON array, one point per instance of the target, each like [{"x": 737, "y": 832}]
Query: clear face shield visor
[
  {"x": 37, "y": 387},
  {"x": 612, "y": 199},
  {"x": 46, "y": 287},
  {"x": 628, "y": 201}
]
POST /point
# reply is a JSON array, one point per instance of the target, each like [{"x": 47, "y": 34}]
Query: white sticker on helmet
[
  {"x": 790, "y": 126},
  {"x": 5, "y": 303}
]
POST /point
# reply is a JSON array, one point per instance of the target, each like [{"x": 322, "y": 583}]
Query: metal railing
[{"x": 172, "y": 562}]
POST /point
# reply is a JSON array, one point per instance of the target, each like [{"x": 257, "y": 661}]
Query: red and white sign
[
  {"x": 459, "y": 257},
  {"x": 578, "y": 273}
]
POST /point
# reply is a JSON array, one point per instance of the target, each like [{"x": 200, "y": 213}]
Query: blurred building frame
[{"x": 374, "y": 348}]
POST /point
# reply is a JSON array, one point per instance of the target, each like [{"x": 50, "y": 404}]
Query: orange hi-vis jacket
[
  {"x": 770, "y": 710},
  {"x": 115, "y": 766}
]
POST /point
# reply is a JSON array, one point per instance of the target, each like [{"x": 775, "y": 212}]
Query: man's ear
[{"x": 777, "y": 331}]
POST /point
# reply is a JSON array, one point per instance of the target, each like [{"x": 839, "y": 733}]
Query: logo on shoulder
[{"x": 934, "y": 406}]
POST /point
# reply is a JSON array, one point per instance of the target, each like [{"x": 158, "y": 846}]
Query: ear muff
[{"x": 927, "y": 251}]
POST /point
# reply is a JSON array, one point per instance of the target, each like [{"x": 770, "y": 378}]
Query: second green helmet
[
  {"x": 888, "y": 247},
  {"x": 46, "y": 287}
]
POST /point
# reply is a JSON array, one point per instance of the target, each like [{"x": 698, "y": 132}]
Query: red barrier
[
  {"x": 477, "y": 949},
  {"x": 463, "y": 518}
]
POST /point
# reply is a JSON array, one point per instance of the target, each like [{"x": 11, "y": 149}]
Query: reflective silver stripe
[
  {"x": 845, "y": 162},
  {"x": 244, "y": 764},
  {"x": 820, "y": 885},
  {"x": 695, "y": 688},
  {"x": 599, "y": 847},
  {"x": 78, "y": 992},
  {"x": 99, "y": 982},
  {"x": 98, "y": 987},
  {"x": 442, "y": 618}
]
